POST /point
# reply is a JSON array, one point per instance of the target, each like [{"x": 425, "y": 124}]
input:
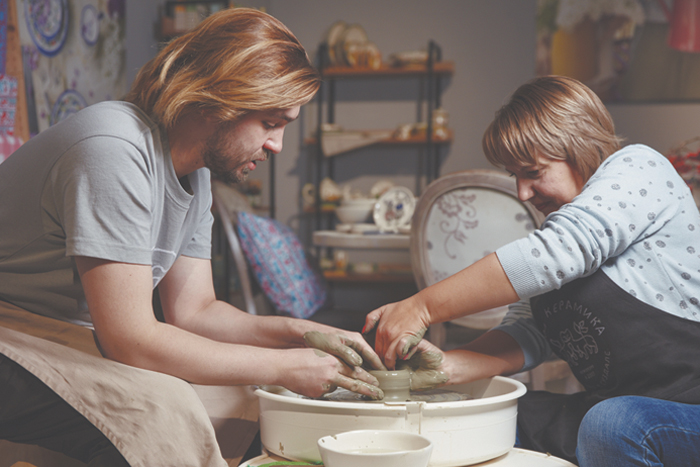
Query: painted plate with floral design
[
  {"x": 47, "y": 22},
  {"x": 394, "y": 209},
  {"x": 90, "y": 24},
  {"x": 68, "y": 103}
]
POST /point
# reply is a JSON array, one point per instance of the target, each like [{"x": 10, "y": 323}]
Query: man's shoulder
[{"x": 112, "y": 117}]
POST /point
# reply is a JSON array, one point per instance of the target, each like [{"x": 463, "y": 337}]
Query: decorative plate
[
  {"x": 68, "y": 103},
  {"x": 354, "y": 33},
  {"x": 90, "y": 24},
  {"x": 394, "y": 209},
  {"x": 334, "y": 33},
  {"x": 47, "y": 22}
]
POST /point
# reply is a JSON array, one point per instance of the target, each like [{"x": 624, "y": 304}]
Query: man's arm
[
  {"x": 119, "y": 297},
  {"x": 189, "y": 302}
]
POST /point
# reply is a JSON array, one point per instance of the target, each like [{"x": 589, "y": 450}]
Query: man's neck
[{"x": 187, "y": 138}]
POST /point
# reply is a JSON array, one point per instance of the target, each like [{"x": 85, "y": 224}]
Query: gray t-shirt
[{"x": 100, "y": 184}]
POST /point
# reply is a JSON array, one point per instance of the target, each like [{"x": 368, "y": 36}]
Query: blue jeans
[{"x": 639, "y": 431}]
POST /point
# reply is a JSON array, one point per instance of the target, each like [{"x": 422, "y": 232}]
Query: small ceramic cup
[{"x": 396, "y": 384}]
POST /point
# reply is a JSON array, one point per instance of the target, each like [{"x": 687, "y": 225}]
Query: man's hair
[
  {"x": 236, "y": 61},
  {"x": 555, "y": 117}
]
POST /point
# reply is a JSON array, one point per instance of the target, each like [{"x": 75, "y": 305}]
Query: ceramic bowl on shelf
[
  {"x": 349, "y": 214},
  {"x": 359, "y": 202},
  {"x": 375, "y": 448}
]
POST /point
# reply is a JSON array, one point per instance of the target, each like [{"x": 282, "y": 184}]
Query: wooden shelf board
[
  {"x": 333, "y": 239},
  {"x": 442, "y": 68},
  {"x": 333, "y": 276},
  {"x": 418, "y": 139},
  {"x": 324, "y": 209}
]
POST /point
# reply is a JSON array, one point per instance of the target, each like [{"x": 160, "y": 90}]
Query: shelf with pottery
[
  {"x": 373, "y": 240},
  {"x": 364, "y": 271},
  {"x": 337, "y": 63},
  {"x": 347, "y": 54},
  {"x": 355, "y": 139},
  {"x": 379, "y": 238},
  {"x": 180, "y": 16},
  {"x": 378, "y": 220},
  {"x": 381, "y": 273}
]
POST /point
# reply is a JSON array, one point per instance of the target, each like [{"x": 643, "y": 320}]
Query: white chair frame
[
  {"x": 234, "y": 246},
  {"x": 490, "y": 179},
  {"x": 548, "y": 371}
]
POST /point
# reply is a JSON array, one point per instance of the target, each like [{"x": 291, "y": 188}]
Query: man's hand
[
  {"x": 313, "y": 373},
  {"x": 426, "y": 367},
  {"x": 354, "y": 352}
]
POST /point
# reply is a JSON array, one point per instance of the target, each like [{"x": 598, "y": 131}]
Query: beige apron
[{"x": 153, "y": 419}]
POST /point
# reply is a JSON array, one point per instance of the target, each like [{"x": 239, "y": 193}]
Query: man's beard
[
  {"x": 219, "y": 164},
  {"x": 220, "y": 170}
]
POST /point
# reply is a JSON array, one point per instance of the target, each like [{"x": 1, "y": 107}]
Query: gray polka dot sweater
[{"x": 635, "y": 218}]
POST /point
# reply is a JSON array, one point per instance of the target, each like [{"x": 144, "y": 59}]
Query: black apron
[{"x": 615, "y": 345}]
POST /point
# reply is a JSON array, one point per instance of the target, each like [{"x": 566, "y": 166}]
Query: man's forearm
[{"x": 224, "y": 323}]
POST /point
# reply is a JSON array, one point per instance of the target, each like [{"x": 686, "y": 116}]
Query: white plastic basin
[{"x": 462, "y": 432}]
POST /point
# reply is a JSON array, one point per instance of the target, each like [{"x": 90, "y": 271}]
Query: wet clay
[
  {"x": 425, "y": 370},
  {"x": 396, "y": 384},
  {"x": 433, "y": 395},
  {"x": 411, "y": 341},
  {"x": 331, "y": 343}
]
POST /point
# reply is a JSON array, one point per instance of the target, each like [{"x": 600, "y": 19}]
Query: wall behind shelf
[
  {"x": 478, "y": 35},
  {"x": 492, "y": 43}
]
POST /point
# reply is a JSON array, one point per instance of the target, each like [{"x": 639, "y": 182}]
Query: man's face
[{"x": 235, "y": 148}]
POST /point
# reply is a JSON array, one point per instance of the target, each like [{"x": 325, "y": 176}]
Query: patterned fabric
[{"x": 280, "y": 266}]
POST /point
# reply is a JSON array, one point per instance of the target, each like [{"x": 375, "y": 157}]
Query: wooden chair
[
  {"x": 459, "y": 219},
  {"x": 228, "y": 202}
]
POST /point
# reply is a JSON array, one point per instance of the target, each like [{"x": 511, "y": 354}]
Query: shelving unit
[{"x": 432, "y": 72}]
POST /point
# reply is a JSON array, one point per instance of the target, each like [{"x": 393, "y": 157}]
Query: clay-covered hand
[
  {"x": 313, "y": 373},
  {"x": 353, "y": 351},
  {"x": 426, "y": 367},
  {"x": 399, "y": 328}
]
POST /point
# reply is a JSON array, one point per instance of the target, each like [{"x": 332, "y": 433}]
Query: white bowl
[
  {"x": 375, "y": 448},
  {"x": 353, "y": 214},
  {"x": 359, "y": 202}
]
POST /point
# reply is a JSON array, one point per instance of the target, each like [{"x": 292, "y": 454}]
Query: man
[{"x": 100, "y": 209}]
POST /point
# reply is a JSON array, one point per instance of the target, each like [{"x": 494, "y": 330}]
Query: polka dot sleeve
[
  {"x": 635, "y": 216},
  {"x": 636, "y": 219}
]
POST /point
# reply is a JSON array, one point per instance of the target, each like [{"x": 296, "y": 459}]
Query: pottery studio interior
[{"x": 367, "y": 233}]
